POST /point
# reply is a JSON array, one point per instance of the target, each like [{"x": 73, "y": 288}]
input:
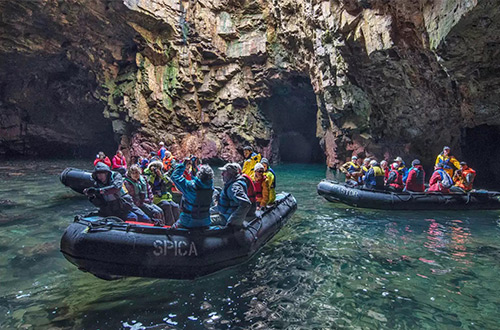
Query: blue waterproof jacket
[{"x": 196, "y": 198}]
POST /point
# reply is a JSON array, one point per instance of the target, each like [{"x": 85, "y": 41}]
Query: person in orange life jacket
[
  {"x": 374, "y": 178},
  {"x": 395, "y": 180},
  {"x": 402, "y": 167},
  {"x": 448, "y": 162},
  {"x": 102, "y": 158},
  {"x": 109, "y": 195},
  {"x": 140, "y": 191},
  {"x": 161, "y": 152},
  {"x": 385, "y": 166},
  {"x": 234, "y": 204},
  {"x": 251, "y": 158},
  {"x": 168, "y": 161},
  {"x": 119, "y": 163},
  {"x": 416, "y": 177},
  {"x": 440, "y": 180},
  {"x": 463, "y": 178},
  {"x": 196, "y": 195},
  {"x": 261, "y": 186}
]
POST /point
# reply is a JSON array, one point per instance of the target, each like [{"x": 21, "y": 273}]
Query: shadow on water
[{"x": 331, "y": 266}]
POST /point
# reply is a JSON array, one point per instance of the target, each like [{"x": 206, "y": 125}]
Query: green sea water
[{"x": 331, "y": 266}]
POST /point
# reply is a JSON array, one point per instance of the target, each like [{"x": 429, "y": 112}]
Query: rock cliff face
[{"x": 287, "y": 76}]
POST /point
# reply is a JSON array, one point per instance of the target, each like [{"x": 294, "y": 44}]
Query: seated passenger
[
  {"x": 196, "y": 195},
  {"x": 140, "y": 191},
  {"x": 251, "y": 158},
  {"x": 440, "y": 180},
  {"x": 234, "y": 204},
  {"x": 448, "y": 162},
  {"x": 110, "y": 196},
  {"x": 463, "y": 178},
  {"x": 162, "y": 187},
  {"x": 349, "y": 168},
  {"x": 385, "y": 166},
  {"x": 395, "y": 180},
  {"x": 102, "y": 158},
  {"x": 261, "y": 186},
  {"x": 271, "y": 180},
  {"x": 402, "y": 167},
  {"x": 119, "y": 163},
  {"x": 374, "y": 178},
  {"x": 416, "y": 177},
  {"x": 366, "y": 166},
  {"x": 168, "y": 161}
]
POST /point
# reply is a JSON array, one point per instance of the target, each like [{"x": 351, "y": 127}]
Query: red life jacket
[
  {"x": 250, "y": 188},
  {"x": 258, "y": 190},
  {"x": 398, "y": 182}
]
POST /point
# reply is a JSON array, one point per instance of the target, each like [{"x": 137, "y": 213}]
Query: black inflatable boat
[
  {"x": 360, "y": 197},
  {"x": 110, "y": 248}
]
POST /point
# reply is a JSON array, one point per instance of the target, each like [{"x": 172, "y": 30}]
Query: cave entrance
[
  {"x": 481, "y": 151},
  {"x": 292, "y": 110},
  {"x": 48, "y": 108}
]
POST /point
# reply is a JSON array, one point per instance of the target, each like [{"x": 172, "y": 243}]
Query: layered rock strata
[{"x": 389, "y": 77}]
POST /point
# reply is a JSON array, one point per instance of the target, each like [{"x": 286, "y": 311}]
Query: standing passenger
[
  {"x": 251, "y": 158},
  {"x": 448, "y": 162}
]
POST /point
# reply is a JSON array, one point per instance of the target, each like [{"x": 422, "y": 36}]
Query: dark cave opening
[
  {"x": 49, "y": 108},
  {"x": 481, "y": 151},
  {"x": 292, "y": 111}
]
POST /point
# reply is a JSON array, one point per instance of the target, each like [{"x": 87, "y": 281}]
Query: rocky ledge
[{"x": 314, "y": 78}]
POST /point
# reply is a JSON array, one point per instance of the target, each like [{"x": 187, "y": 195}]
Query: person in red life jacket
[
  {"x": 142, "y": 195},
  {"x": 119, "y": 163},
  {"x": 440, "y": 180},
  {"x": 261, "y": 186},
  {"x": 463, "y": 178},
  {"x": 385, "y": 166},
  {"x": 102, "y": 158},
  {"x": 234, "y": 204},
  {"x": 395, "y": 180},
  {"x": 416, "y": 177},
  {"x": 168, "y": 161},
  {"x": 161, "y": 152}
]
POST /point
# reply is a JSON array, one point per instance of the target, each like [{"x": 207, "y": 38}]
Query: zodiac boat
[
  {"x": 110, "y": 248},
  {"x": 375, "y": 199}
]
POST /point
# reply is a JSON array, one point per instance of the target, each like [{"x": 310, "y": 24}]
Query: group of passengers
[
  {"x": 449, "y": 174},
  {"x": 144, "y": 191}
]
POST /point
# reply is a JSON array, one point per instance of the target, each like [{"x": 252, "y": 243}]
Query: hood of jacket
[{"x": 100, "y": 167}]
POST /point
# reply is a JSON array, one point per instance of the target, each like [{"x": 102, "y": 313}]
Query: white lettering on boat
[
  {"x": 347, "y": 192},
  {"x": 174, "y": 248}
]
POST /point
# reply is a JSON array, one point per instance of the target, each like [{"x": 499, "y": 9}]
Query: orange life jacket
[
  {"x": 462, "y": 179},
  {"x": 167, "y": 163}
]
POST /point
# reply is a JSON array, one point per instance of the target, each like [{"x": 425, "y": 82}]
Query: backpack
[{"x": 446, "y": 180}]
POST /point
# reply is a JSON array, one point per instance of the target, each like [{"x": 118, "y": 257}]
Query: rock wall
[{"x": 390, "y": 77}]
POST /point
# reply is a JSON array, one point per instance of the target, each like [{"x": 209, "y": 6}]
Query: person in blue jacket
[{"x": 196, "y": 195}]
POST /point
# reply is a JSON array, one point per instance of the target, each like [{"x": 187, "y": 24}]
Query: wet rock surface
[{"x": 389, "y": 78}]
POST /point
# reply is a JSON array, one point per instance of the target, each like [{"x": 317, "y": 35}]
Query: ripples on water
[{"x": 332, "y": 266}]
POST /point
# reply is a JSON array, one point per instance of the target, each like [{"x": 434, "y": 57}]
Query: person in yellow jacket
[
  {"x": 350, "y": 167},
  {"x": 271, "y": 180},
  {"x": 261, "y": 184},
  {"x": 251, "y": 158},
  {"x": 448, "y": 162}
]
